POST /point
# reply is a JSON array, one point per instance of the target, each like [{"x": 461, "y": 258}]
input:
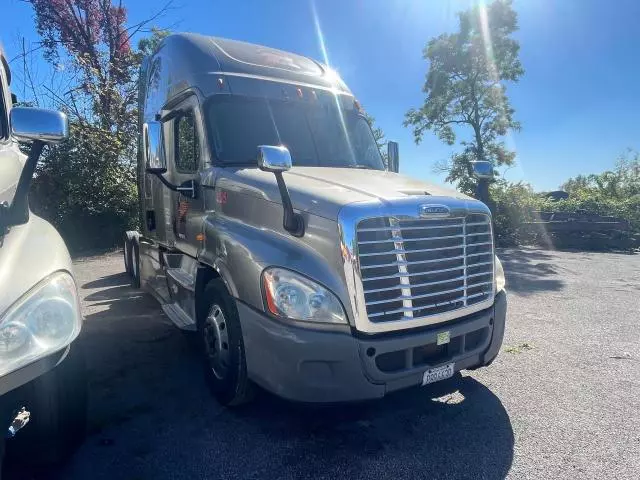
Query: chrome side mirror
[
  {"x": 393, "y": 157},
  {"x": 155, "y": 160},
  {"x": 482, "y": 169},
  {"x": 274, "y": 158},
  {"x": 37, "y": 124},
  {"x": 277, "y": 159}
]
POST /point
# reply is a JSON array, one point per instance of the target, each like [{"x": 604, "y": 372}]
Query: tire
[
  {"x": 126, "y": 252},
  {"x": 225, "y": 367},
  {"x": 57, "y": 402},
  {"x": 135, "y": 264}
]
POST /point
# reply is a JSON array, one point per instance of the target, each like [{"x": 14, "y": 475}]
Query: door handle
[{"x": 188, "y": 189}]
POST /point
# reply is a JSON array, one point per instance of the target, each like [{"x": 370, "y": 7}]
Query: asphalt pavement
[{"x": 561, "y": 400}]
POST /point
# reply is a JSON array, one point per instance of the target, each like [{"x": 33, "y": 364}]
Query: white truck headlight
[
  {"x": 44, "y": 320},
  {"x": 293, "y": 296},
  {"x": 500, "y": 280}
]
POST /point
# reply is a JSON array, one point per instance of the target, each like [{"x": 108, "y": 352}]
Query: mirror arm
[
  {"x": 292, "y": 221},
  {"x": 191, "y": 189},
  {"x": 482, "y": 190},
  {"x": 166, "y": 182},
  {"x": 18, "y": 212}
]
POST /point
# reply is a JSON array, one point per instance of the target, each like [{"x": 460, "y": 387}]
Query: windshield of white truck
[{"x": 317, "y": 134}]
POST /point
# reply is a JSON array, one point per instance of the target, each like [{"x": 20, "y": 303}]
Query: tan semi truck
[{"x": 272, "y": 228}]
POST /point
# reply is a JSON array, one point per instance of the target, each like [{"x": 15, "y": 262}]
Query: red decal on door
[
  {"x": 183, "y": 208},
  {"x": 180, "y": 222},
  {"x": 221, "y": 197}
]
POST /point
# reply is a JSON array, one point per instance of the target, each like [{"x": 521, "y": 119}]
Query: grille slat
[
  {"x": 423, "y": 239},
  {"x": 456, "y": 273},
  {"x": 396, "y": 252},
  {"x": 420, "y": 262},
  {"x": 421, "y": 307},
  {"x": 426, "y": 227},
  {"x": 470, "y": 265},
  {"x": 416, "y": 297},
  {"x": 416, "y": 285},
  {"x": 415, "y": 274}
]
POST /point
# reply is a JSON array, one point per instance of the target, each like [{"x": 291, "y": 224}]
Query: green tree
[
  {"x": 86, "y": 186},
  {"x": 621, "y": 183},
  {"x": 147, "y": 45},
  {"x": 465, "y": 88}
]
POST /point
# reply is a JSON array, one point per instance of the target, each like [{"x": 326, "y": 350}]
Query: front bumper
[{"x": 318, "y": 366}]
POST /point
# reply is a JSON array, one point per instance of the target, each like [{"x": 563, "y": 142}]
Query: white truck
[{"x": 42, "y": 377}]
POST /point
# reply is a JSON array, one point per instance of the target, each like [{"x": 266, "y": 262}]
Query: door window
[
  {"x": 4, "y": 130},
  {"x": 187, "y": 144}
]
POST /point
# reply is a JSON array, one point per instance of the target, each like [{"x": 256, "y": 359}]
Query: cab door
[{"x": 186, "y": 155}]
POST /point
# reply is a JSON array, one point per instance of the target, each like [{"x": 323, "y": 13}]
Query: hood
[
  {"x": 28, "y": 254},
  {"x": 324, "y": 191}
]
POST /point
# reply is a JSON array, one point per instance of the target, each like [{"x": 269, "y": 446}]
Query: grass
[{"x": 521, "y": 347}]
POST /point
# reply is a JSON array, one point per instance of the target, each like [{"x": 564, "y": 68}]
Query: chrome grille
[{"x": 416, "y": 268}]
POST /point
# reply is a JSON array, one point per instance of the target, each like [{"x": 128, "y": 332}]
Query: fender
[{"x": 239, "y": 253}]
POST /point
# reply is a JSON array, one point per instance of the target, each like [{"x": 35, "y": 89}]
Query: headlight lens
[
  {"x": 500, "y": 280},
  {"x": 43, "y": 321},
  {"x": 291, "y": 295}
]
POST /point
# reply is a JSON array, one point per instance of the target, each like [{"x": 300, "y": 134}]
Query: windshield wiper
[{"x": 363, "y": 167}]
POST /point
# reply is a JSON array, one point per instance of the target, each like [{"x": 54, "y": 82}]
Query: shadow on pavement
[
  {"x": 151, "y": 416},
  {"x": 117, "y": 300},
  {"x": 456, "y": 429},
  {"x": 117, "y": 279},
  {"x": 530, "y": 271}
]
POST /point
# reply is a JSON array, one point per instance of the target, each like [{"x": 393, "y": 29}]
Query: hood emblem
[{"x": 433, "y": 211}]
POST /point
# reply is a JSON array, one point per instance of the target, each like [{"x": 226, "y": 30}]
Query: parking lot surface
[{"x": 561, "y": 400}]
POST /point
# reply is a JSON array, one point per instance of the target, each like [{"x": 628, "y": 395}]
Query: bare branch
[
  {"x": 57, "y": 97},
  {"x": 23, "y": 53},
  {"x": 27, "y": 74},
  {"x": 134, "y": 29}
]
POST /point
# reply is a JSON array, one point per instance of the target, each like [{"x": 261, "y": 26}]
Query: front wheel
[
  {"x": 222, "y": 348},
  {"x": 57, "y": 402}
]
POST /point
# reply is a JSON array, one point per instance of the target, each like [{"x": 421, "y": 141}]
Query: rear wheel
[
  {"x": 130, "y": 239},
  {"x": 126, "y": 253},
  {"x": 57, "y": 402},
  {"x": 135, "y": 264},
  {"x": 222, "y": 348}
]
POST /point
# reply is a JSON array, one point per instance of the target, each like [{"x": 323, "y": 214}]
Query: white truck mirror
[{"x": 31, "y": 124}]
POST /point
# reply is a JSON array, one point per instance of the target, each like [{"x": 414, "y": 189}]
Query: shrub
[
  {"x": 86, "y": 187},
  {"x": 613, "y": 193}
]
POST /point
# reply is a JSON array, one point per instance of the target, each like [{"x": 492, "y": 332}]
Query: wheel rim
[{"x": 216, "y": 342}]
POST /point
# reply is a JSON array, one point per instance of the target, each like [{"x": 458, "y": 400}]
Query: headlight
[
  {"x": 293, "y": 296},
  {"x": 43, "y": 321},
  {"x": 500, "y": 280}
]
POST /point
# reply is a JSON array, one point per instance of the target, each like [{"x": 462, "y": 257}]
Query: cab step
[{"x": 179, "y": 318}]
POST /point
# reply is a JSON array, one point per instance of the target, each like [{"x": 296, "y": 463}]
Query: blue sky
[{"x": 578, "y": 102}]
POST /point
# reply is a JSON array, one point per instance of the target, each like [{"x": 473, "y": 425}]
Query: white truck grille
[{"x": 419, "y": 268}]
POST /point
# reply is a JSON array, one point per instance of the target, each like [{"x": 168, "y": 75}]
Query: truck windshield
[{"x": 316, "y": 134}]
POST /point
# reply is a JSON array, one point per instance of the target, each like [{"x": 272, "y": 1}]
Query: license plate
[{"x": 437, "y": 374}]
